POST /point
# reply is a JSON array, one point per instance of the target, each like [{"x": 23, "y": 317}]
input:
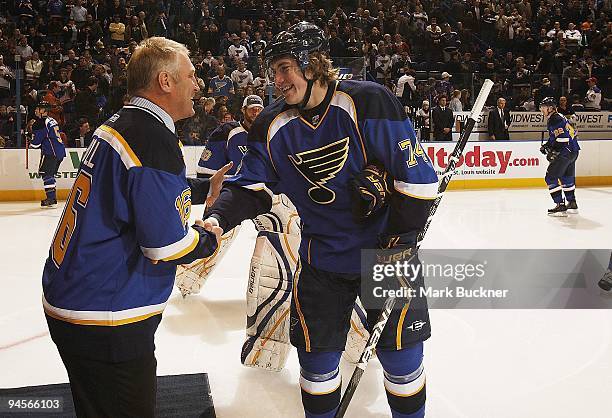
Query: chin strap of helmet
[{"x": 309, "y": 84}]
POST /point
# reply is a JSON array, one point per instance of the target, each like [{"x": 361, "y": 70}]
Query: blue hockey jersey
[
  {"x": 562, "y": 136},
  {"x": 312, "y": 161},
  {"x": 226, "y": 143},
  {"x": 46, "y": 136},
  {"x": 130, "y": 205}
]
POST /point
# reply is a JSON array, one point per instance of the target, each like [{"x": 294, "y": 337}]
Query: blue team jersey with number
[
  {"x": 562, "y": 136},
  {"x": 226, "y": 143},
  {"x": 129, "y": 205},
  {"x": 312, "y": 161},
  {"x": 47, "y": 137}
]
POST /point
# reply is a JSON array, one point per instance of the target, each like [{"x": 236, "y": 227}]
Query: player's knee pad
[
  {"x": 268, "y": 301},
  {"x": 320, "y": 382},
  {"x": 191, "y": 277},
  {"x": 358, "y": 334},
  {"x": 282, "y": 218},
  {"x": 552, "y": 182},
  {"x": 404, "y": 379}
]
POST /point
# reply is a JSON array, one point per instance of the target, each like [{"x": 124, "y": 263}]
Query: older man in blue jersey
[
  {"x": 312, "y": 145},
  {"x": 124, "y": 229}
]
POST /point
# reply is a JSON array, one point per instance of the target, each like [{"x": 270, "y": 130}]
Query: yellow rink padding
[
  {"x": 30, "y": 195},
  {"x": 455, "y": 184}
]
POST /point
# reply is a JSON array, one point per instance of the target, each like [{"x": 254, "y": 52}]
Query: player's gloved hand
[
  {"x": 402, "y": 248},
  {"x": 552, "y": 155},
  {"x": 211, "y": 224},
  {"x": 544, "y": 149},
  {"x": 370, "y": 190}
]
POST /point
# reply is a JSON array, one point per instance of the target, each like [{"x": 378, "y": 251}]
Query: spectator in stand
[
  {"x": 6, "y": 76},
  {"x": 592, "y": 100},
  {"x": 86, "y": 101},
  {"x": 406, "y": 89},
  {"x": 499, "y": 122},
  {"x": 443, "y": 121},
  {"x": 236, "y": 50},
  {"x": 221, "y": 85},
  {"x": 423, "y": 121},
  {"x": 117, "y": 32},
  {"x": 52, "y": 97},
  {"x": 455, "y": 103},
  {"x": 80, "y": 136},
  {"x": 24, "y": 49},
  {"x": 444, "y": 86},
  {"x": 563, "y": 108},
  {"x": 241, "y": 76}
]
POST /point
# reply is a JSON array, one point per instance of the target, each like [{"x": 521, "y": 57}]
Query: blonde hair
[
  {"x": 152, "y": 56},
  {"x": 321, "y": 69}
]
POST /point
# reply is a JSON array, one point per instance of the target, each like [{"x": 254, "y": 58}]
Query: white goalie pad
[
  {"x": 269, "y": 300},
  {"x": 282, "y": 218},
  {"x": 358, "y": 334},
  {"x": 191, "y": 277}
]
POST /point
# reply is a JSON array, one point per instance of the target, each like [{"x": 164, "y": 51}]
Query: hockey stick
[{"x": 390, "y": 302}]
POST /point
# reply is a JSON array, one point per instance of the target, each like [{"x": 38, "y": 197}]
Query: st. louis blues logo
[{"x": 320, "y": 165}]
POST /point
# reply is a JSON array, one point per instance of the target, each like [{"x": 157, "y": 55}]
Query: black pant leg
[{"x": 104, "y": 389}]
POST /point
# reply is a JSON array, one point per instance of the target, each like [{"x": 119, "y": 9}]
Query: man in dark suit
[
  {"x": 443, "y": 120},
  {"x": 499, "y": 121}
]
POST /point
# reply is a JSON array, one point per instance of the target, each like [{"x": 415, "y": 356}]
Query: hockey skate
[
  {"x": 606, "y": 281},
  {"x": 48, "y": 203},
  {"x": 559, "y": 210},
  {"x": 572, "y": 206}
]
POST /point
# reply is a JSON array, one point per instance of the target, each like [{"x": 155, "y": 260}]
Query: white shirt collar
[{"x": 155, "y": 110}]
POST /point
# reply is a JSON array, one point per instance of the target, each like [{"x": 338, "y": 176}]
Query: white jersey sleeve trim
[
  {"x": 174, "y": 250},
  {"x": 426, "y": 191},
  {"x": 259, "y": 187}
]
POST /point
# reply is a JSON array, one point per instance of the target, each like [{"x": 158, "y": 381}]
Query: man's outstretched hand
[{"x": 216, "y": 181}]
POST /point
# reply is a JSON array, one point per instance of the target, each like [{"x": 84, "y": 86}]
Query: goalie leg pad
[
  {"x": 191, "y": 277},
  {"x": 268, "y": 301},
  {"x": 282, "y": 218},
  {"x": 358, "y": 334}
]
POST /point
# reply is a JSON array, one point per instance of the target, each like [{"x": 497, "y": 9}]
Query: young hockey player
[
  {"x": 310, "y": 145},
  {"x": 561, "y": 151}
]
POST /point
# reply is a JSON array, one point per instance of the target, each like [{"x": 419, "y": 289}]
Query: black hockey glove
[
  {"x": 370, "y": 190},
  {"x": 402, "y": 248},
  {"x": 550, "y": 152}
]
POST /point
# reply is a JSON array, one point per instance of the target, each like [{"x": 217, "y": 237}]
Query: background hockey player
[
  {"x": 228, "y": 142},
  {"x": 561, "y": 151},
  {"x": 46, "y": 136},
  {"x": 310, "y": 145},
  {"x": 113, "y": 258}
]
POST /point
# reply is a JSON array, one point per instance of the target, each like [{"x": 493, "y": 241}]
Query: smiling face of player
[{"x": 288, "y": 78}]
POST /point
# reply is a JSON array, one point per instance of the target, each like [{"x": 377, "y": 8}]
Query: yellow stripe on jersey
[{"x": 120, "y": 145}]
